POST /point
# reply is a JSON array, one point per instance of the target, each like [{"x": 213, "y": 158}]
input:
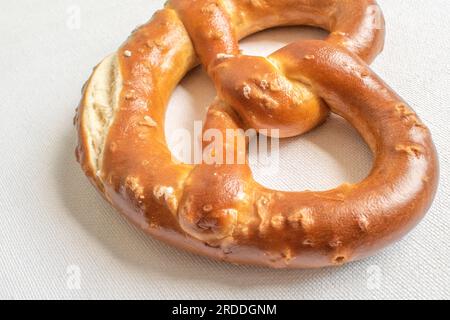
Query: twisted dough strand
[{"x": 254, "y": 86}]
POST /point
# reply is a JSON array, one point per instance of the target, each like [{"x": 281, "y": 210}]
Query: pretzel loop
[{"x": 219, "y": 210}]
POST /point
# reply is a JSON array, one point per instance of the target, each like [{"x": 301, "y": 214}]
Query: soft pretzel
[{"x": 218, "y": 210}]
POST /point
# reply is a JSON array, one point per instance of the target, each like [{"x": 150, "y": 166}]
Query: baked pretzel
[{"x": 218, "y": 210}]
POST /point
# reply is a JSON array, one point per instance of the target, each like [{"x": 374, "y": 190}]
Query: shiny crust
[{"x": 219, "y": 210}]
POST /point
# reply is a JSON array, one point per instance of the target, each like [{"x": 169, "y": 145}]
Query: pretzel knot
[{"x": 218, "y": 209}]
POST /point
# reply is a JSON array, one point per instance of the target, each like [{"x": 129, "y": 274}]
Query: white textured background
[{"x": 52, "y": 219}]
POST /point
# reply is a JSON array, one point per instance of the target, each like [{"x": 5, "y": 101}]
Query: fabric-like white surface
[{"x": 56, "y": 227}]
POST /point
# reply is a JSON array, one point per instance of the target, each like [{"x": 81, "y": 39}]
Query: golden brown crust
[
  {"x": 219, "y": 210},
  {"x": 285, "y": 105}
]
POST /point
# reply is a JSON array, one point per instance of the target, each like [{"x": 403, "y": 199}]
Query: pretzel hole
[
  {"x": 320, "y": 160},
  {"x": 268, "y": 41}
]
